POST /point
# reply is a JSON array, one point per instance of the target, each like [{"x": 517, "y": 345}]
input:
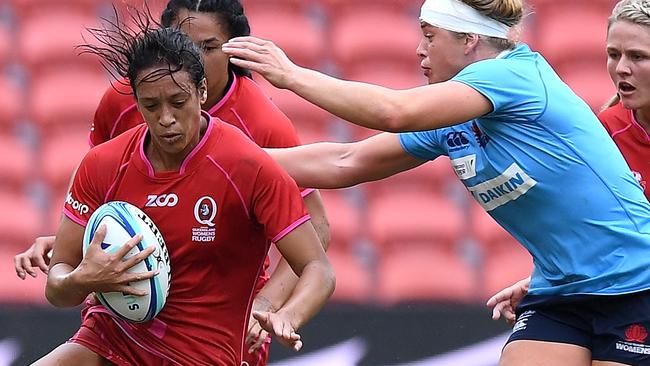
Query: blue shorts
[{"x": 614, "y": 328}]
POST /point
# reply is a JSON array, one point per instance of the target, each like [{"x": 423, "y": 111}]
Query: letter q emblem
[{"x": 205, "y": 210}]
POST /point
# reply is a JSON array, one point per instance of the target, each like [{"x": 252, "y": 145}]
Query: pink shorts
[{"x": 94, "y": 334}]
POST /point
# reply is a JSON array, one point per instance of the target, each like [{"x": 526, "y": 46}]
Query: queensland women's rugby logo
[{"x": 205, "y": 212}]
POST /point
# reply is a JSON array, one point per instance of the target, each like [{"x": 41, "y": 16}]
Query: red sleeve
[
  {"x": 269, "y": 126},
  {"x": 100, "y": 130},
  {"x": 281, "y": 132},
  {"x": 117, "y": 100},
  {"x": 88, "y": 189},
  {"x": 277, "y": 203}
]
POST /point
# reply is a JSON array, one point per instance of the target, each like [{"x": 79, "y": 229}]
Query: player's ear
[{"x": 203, "y": 91}]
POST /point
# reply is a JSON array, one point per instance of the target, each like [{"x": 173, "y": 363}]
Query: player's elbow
[
  {"x": 329, "y": 278},
  {"x": 53, "y": 296},
  {"x": 393, "y": 117},
  {"x": 56, "y": 295}
]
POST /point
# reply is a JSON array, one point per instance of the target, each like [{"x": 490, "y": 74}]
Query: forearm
[
  {"x": 363, "y": 104},
  {"x": 63, "y": 288},
  {"x": 315, "y": 286},
  {"x": 320, "y": 165},
  {"x": 319, "y": 221},
  {"x": 279, "y": 287}
]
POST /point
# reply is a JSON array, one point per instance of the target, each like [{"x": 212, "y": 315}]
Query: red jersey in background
[{"x": 632, "y": 140}]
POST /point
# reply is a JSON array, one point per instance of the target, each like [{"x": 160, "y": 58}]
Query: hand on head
[{"x": 263, "y": 57}]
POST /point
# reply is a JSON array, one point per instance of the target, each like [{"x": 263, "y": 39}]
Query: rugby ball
[{"x": 123, "y": 221}]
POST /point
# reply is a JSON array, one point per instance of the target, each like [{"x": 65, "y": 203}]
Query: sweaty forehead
[{"x": 159, "y": 81}]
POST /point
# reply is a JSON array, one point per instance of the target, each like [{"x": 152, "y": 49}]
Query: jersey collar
[{"x": 191, "y": 160}]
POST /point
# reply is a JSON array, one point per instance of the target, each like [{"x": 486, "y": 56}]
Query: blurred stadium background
[{"x": 415, "y": 257}]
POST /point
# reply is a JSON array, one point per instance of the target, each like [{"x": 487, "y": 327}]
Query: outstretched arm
[
  {"x": 338, "y": 165},
  {"x": 423, "y": 108}
]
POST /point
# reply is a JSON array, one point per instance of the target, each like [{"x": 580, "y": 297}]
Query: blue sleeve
[
  {"x": 423, "y": 145},
  {"x": 514, "y": 88}
]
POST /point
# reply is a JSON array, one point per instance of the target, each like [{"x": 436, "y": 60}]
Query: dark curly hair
[{"x": 127, "y": 49}]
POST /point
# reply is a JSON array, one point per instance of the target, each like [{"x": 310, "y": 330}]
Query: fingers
[
  {"x": 247, "y": 39},
  {"x": 133, "y": 260},
  {"x": 22, "y": 266},
  {"x": 100, "y": 235},
  {"x": 41, "y": 261},
  {"x": 297, "y": 345},
  {"x": 503, "y": 295},
  {"x": 126, "y": 248},
  {"x": 135, "y": 277},
  {"x": 129, "y": 290},
  {"x": 261, "y": 316},
  {"x": 259, "y": 341}
]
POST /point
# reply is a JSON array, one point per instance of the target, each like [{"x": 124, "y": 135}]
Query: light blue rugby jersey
[{"x": 545, "y": 169}]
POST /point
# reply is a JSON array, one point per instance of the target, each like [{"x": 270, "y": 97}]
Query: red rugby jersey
[
  {"x": 244, "y": 106},
  {"x": 631, "y": 139},
  {"x": 232, "y": 201}
]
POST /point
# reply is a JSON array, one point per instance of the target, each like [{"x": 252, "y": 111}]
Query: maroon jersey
[
  {"x": 218, "y": 215},
  {"x": 631, "y": 139}
]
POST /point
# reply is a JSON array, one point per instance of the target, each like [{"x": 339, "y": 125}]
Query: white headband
[{"x": 456, "y": 16}]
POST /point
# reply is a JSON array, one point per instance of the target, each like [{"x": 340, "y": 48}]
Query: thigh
[
  {"x": 72, "y": 354},
  {"x": 540, "y": 353},
  {"x": 609, "y": 363}
]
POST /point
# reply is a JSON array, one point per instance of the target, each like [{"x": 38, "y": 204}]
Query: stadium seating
[
  {"x": 305, "y": 47},
  {"x": 353, "y": 276},
  {"x": 339, "y": 8},
  {"x": 424, "y": 272},
  {"x": 365, "y": 36},
  {"x": 127, "y": 8},
  {"x": 61, "y": 154},
  {"x": 66, "y": 99},
  {"x": 589, "y": 79},
  {"x": 284, "y": 5},
  {"x": 11, "y": 106},
  {"x": 16, "y": 160},
  {"x": 14, "y": 290},
  {"x": 20, "y": 219},
  {"x": 305, "y": 116},
  {"x": 6, "y": 45},
  {"x": 417, "y": 236},
  {"x": 405, "y": 216},
  {"x": 505, "y": 261},
  {"x": 555, "y": 22},
  {"x": 47, "y": 39},
  {"x": 27, "y": 8}
]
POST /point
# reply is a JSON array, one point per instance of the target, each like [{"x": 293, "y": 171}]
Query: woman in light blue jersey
[{"x": 528, "y": 150}]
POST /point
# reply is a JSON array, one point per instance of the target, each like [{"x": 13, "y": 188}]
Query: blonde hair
[
  {"x": 508, "y": 12},
  {"x": 633, "y": 11}
]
